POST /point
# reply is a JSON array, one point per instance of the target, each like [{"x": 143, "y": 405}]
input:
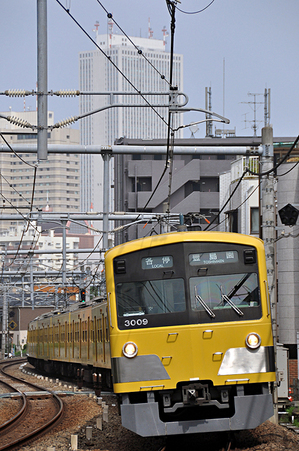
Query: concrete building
[
  {"x": 194, "y": 187},
  {"x": 57, "y": 182},
  {"x": 98, "y": 75},
  {"x": 288, "y": 260},
  {"x": 19, "y": 317},
  {"x": 241, "y": 214}
]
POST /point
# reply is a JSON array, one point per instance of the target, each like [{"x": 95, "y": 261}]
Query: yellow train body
[
  {"x": 182, "y": 372},
  {"x": 65, "y": 341},
  {"x": 185, "y": 333}
]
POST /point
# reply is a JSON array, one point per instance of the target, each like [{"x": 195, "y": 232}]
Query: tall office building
[{"x": 97, "y": 74}]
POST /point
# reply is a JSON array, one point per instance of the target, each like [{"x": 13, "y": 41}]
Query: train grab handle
[
  {"x": 109, "y": 304},
  {"x": 268, "y": 297}
]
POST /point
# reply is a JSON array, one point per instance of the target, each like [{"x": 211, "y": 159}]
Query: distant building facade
[
  {"x": 57, "y": 182},
  {"x": 194, "y": 186},
  {"x": 97, "y": 74},
  {"x": 242, "y": 215}
]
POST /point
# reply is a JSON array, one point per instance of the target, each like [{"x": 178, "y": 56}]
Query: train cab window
[
  {"x": 229, "y": 291},
  {"x": 150, "y": 297}
]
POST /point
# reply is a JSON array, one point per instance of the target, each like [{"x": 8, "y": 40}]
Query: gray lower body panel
[{"x": 250, "y": 412}]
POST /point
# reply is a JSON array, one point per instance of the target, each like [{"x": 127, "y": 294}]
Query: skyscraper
[{"x": 97, "y": 74}]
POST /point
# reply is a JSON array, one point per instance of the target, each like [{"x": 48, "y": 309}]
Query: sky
[{"x": 236, "y": 47}]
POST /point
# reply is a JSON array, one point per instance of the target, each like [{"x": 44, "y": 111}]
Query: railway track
[{"x": 39, "y": 409}]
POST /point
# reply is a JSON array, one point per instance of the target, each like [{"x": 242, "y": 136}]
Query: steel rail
[{"x": 40, "y": 430}]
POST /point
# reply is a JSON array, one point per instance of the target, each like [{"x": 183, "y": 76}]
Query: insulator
[
  {"x": 19, "y": 122},
  {"x": 65, "y": 122},
  {"x": 17, "y": 93},
  {"x": 65, "y": 93}
]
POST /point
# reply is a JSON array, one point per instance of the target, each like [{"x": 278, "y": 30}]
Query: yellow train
[
  {"x": 190, "y": 333},
  {"x": 67, "y": 342}
]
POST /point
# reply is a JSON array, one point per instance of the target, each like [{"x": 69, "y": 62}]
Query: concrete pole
[
  {"x": 106, "y": 191},
  {"x": 64, "y": 222},
  {"x": 31, "y": 281},
  {"x": 269, "y": 234},
  {"x": 4, "y": 322},
  {"x": 42, "y": 80}
]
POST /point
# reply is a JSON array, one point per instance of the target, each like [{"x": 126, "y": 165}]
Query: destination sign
[
  {"x": 166, "y": 261},
  {"x": 213, "y": 258}
]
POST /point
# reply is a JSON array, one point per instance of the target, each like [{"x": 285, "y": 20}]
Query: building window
[
  {"x": 141, "y": 184},
  {"x": 232, "y": 217},
  {"x": 254, "y": 220}
]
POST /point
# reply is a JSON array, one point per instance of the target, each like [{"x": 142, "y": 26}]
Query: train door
[
  {"x": 103, "y": 337},
  {"x": 95, "y": 341},
  {"x": 66, "y": 338},
  {"x": 48, "y": 340},
  {"x": 73, "y": 338},
  {"x": 88, "y": 338},
  {"x": 59, "y": 332},
  {"x": 80, "y": 338}
]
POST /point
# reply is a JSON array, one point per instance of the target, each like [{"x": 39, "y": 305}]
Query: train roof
[
  {"x": 70, "y": 308},
  {"x": 177, "y": 237}
]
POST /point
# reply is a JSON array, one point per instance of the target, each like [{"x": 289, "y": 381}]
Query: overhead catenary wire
[
  {"x": 112, "y": 62},
  {"x": 262, "y": 174},
  {"x": 139, "y": 51},
  {"x": 195, "y": 12},
  {"x": 240, "y": 205},
  {"x": 228, "y": 200}
]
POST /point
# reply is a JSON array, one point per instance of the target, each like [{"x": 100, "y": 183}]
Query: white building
[
  {"x": 97, "y": 74},
  {"x": 241, "y": 214}
]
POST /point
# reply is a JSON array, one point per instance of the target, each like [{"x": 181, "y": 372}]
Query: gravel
[{"x": 83, "y": 410}]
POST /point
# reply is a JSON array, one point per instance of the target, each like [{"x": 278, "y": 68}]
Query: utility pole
[
  {"x": 42, "y": 80},
  {"x": 4, "y": 321},
  {"x": 106, "y": 154},
  {"x": 268, "y": 234}
]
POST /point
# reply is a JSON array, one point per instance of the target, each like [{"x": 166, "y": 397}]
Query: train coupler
[{"x": 196, "y": 393}]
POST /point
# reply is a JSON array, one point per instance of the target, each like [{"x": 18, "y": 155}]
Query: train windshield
[
  {"x": 150, "y": 297},
  {"x": 187, "y": 283},
  {"x": 229, "y": 291}
]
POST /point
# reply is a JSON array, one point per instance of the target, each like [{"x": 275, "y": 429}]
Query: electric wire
[
  {"x": 287, "y": 172},
  {"x": 139, "y": 51},
  {"x": 244, "y": 201},
  {"x": 15, "y": 153},
  {"x": 15, "y": 190},
  {"x": 195, "y": 12},
  {"x": 278, "y": 164},
  {"x": 112, "y": 62},
  {"x": 228, "y": 200}
]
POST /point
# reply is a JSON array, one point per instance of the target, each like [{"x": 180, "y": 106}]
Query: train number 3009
[{"x": 136, "y": 322}]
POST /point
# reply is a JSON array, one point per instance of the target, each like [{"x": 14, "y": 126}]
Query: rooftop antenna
[
  {"x": 96, "y": 29},
  {"x": 165, "y": 34},
  {"x": 208, "y": 106},
  {"x": 110, "y": 28},
  {"x": 150, "y": 31},
  {"x": 267, "y": 107},
  {"x": 254, "y": 107}
]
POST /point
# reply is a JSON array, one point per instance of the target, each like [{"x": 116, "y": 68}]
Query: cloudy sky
[{"x": 258, "y": 40}]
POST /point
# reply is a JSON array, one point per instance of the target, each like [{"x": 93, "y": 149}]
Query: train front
[{"x": 190, "y": 330}]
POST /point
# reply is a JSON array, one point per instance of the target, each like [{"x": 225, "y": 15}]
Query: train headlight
[
  {"x": 130, "y": 349},
  {"x": 253, "y": 340}
]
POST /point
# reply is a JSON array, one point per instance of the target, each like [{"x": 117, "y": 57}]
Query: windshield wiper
[
  {"x": 200, "y": 300},
  {"x": 233, "y": 306}
]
